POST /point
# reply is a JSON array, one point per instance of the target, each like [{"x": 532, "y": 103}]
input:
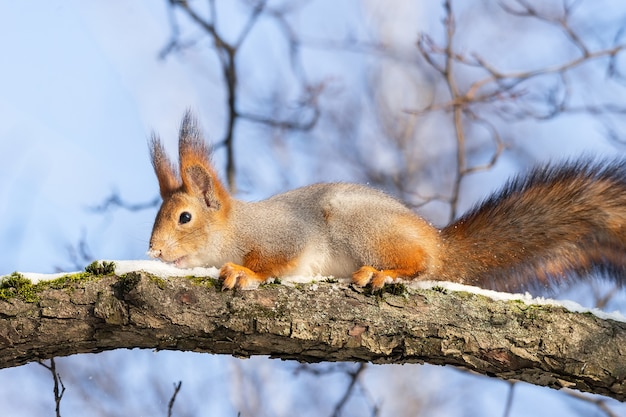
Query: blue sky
[{"x": 77, "y": 110}]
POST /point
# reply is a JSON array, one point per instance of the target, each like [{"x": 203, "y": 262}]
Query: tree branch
[{"x": 323, "y": 321}]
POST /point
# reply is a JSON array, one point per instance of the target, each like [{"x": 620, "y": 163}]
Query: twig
[
  {"x": 114, "y": 200},
  {"x": 58, "y": 395},
  {"x": 457, "y": 108},
  {"x": 79, "y": 254},
  {"x": 170, "y": 405},
  {"x": 509, "y": 399},
  {"x": 595, "y": 400},
  {"x": 354, "y": 377}
]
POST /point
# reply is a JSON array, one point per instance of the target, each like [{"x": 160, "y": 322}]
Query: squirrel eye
[{"x": 185, "y": 217}]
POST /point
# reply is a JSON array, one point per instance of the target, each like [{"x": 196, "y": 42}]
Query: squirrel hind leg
[
  {"x": 370, "y": 275},
  {"x": 398, "y": 256},
  {"x": 377, "y": 278}
]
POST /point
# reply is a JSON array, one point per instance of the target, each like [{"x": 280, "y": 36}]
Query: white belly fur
[{"x": 317, "y": 259}]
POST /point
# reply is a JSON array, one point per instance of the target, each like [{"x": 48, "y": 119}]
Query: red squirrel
[{"x": 556, "y": 223}]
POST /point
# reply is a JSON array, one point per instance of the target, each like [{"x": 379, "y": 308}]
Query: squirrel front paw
[{"x": 237, "y": 276}]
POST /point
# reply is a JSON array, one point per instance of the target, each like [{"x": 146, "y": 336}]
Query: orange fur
[
  {"x": 405, "y": 250},
  {"x": 267, "y": 265}
]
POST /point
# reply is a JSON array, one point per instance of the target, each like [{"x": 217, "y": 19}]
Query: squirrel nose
[{"x": 154, "y": 253}]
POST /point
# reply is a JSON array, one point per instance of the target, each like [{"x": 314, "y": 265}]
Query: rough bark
[{"x": 543, "y": 345}]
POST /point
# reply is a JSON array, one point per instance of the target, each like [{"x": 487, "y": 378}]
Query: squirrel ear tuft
[
  {"x": 199, "y": 177},
  {"x": 165, "y": 171},
  {"x": 191, "y": 147}
]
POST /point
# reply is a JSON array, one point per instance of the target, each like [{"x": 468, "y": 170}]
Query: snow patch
[
  {"x": 35, "y": 277},
  {"x": 163, "y": 270},
  {"x": 157, "y": 268},
  {"x": 526, "y": 298}
]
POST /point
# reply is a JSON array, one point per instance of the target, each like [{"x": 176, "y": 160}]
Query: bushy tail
[{"x": 557, "y": 223}]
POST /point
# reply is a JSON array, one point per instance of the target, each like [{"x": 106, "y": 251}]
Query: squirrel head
[{"x": 190, "y": 224}]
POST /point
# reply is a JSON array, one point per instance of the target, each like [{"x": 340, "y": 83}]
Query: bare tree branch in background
[
  {"x": 505, "y": 91},
  {"x": 79, "y": 254},
  {"x": 600, "y": 403},
  {"x": 170, "y": 404},
  {"x": 353, "y": 373},
  {"x": 58, "y": 393},
  {"x": 115, "y": 200},
  {"x": 509, "y": 399},
  {"x": 227, "y": 53},
  {"x": 457, "y": 105},
  {"x": 354, "y": 378}
]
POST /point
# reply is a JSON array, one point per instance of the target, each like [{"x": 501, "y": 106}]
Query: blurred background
[{"x": 435, "y": 102}]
